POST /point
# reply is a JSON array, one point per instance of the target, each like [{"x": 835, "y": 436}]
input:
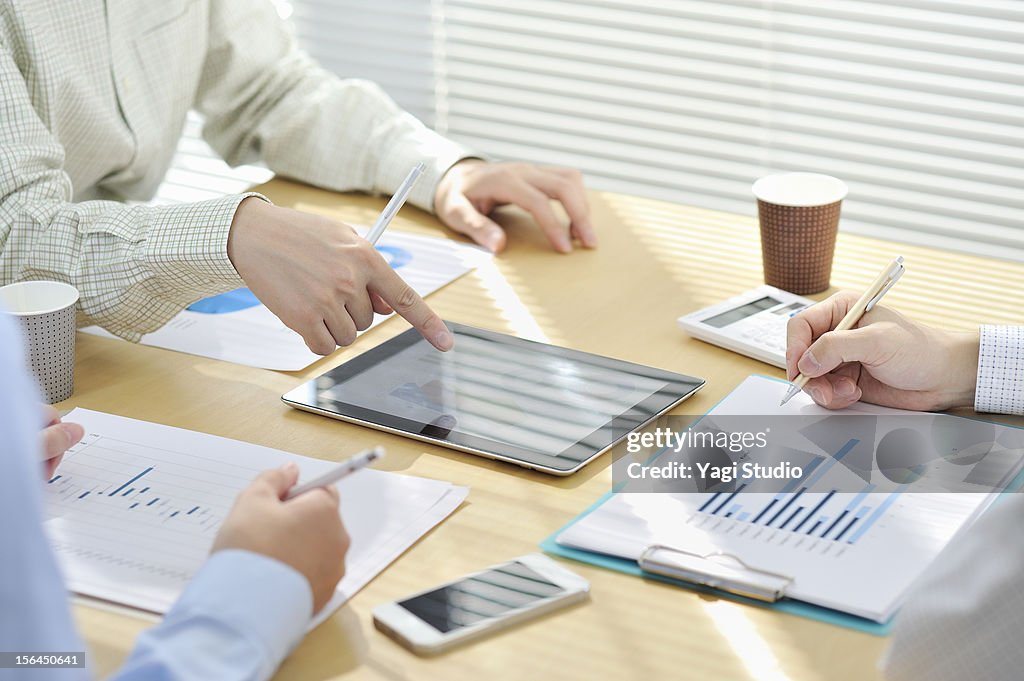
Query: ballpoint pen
[
  {"x": 885, "y": 281},
  {"x": 346, "y": 468},
  {"x": 395, "y": 204}
]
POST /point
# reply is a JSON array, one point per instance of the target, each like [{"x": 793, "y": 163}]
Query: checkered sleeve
[
  {"x": 135, "y": 266},
  {"x": 1001, "y": 370},
  {"x": 265, "y": 99}
]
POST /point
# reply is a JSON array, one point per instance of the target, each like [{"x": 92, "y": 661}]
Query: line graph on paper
[{"x": 147, "y": 513}]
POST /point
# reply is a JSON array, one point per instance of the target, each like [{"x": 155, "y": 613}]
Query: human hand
[
  {"x": 57, "y": 437},
  {"x": 321, "y": 278},
  {"x": 886, "y": 359},
  {"x": 472, "y": 189},
  {"x": 305, "y": 533}
]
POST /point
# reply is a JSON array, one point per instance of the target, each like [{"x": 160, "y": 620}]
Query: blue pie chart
[
  {"x": 396, "y": 257},
  {"x": 232, "y": 301}
]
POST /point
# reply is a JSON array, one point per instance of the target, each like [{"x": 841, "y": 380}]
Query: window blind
[
  {"x": 917, "y": 105},
  {"x": 390, "y": 43}
]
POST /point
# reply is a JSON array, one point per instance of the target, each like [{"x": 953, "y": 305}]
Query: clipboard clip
[{"x": 718, "y": 570}]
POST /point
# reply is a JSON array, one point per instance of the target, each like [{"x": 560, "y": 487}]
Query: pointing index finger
[{"x": 393, "y": 290}]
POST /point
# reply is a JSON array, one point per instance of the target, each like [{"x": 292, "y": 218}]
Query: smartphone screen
[{"x": 482, "y": 597}]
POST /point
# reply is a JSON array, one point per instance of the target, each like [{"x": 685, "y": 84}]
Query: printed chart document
[
  {"x": 236, "y": 327},
  {"x": 135, "y": 506},
  {"x": 847, "y": 540}
]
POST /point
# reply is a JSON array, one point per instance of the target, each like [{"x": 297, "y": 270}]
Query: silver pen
[
  {"x": 395, "y": 204},
  {"x": 344, "y": 469}
]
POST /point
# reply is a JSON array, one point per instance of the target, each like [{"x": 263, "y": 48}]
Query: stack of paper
[{"x": 134, "y": 508}]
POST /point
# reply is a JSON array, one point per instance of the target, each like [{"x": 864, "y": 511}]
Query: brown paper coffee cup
[{"x": 799, "y": 216}]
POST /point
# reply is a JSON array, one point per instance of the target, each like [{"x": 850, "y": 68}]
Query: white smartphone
[{"x": 432, "y": 621}]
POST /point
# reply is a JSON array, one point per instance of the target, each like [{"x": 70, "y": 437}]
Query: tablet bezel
[{"x": 677, "y": 388}]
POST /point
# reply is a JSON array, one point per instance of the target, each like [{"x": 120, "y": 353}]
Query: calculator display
[
  {"x": 789, "y": 309},
  {"x": 724, "y": 319}
]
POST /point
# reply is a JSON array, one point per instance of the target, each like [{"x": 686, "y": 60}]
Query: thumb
[
  {"x": 464, "y": 218},
  {"x": 60, "y": 437},
  {"x": 834, "y": 348},
  {"x": 277, "y": 481}
]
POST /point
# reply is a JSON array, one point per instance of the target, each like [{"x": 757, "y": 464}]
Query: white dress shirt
[
  {"x": 237, "y": 620},
  {"x": 93, "y": 98}
]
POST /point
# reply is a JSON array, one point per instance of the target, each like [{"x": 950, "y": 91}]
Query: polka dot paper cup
[
  {"x": 46, "y": 311},
  {"x": 799, "y": 215}
]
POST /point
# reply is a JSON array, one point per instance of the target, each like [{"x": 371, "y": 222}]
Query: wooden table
[{"x": 656, "y": 261}]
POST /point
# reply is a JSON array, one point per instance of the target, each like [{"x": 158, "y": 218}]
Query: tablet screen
[{"x": 502, "y": 395}]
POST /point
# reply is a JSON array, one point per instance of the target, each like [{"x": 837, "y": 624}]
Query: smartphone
[{"x": 432, "y": 621}]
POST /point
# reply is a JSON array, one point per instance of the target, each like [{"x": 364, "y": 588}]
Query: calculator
[{"x": 752, "y": 324}]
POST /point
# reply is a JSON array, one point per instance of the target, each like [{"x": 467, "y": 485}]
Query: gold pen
[{"x": 885, "y": 281}]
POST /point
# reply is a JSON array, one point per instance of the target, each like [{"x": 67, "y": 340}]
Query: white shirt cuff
[{"x": 1001, "y": 370}]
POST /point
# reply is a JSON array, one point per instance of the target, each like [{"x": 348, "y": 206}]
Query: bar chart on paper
[
  {"x": 143, "y": 513},
  {"x": 801, "y": 512},
  {"x": 830, "y": 519},
  {"x": 138, "y": 511},
  {"x": 135, "y": 507}
]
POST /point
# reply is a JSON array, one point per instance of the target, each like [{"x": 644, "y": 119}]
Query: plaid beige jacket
[{"x": 93, "y": 98}]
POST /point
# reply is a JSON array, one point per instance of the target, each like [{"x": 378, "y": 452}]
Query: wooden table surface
[{"x": 657, "y": 261}]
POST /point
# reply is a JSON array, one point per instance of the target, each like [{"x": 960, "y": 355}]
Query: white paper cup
[{"x": 46, "y": 312}]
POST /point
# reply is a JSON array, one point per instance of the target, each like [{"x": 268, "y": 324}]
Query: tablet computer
[{"x": 536, "y": 405}]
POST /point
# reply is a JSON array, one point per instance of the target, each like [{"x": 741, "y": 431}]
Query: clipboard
[
  {"x": 710, "y": 582},
  {"x": 743, "y": 584},
  {"x": 722, "y": 575}
]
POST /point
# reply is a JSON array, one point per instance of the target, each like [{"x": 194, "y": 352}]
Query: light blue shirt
[{"x": 238, "y": 619}]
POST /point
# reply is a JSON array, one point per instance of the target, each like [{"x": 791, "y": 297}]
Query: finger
[
  {"x": 567, "y": 188},
  {"x": 51, "y": 465},
  {"x": 820, "y": 391},
  {"x": 837, "y": 390},
  {"x": 406, "y": 302},
  {"x": 360, "y": 310},
  {"x": 316, "y": 500},
  {"x": 317, "y": 336},
  {"x": 342, "y": 328},
  {"x": 810, "y": 323},
  {"x": 839, "y": 347},
  {"x": 379, "y": 306},
  {"x": 332, "y": 491},
  {"x": 50, "y": 415},
  {"x": 58, "y": 438},
  {"x": 276, "y": 481},
  {"x": 537, "y": 203},
  {"x": 465, "y": 219}
]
